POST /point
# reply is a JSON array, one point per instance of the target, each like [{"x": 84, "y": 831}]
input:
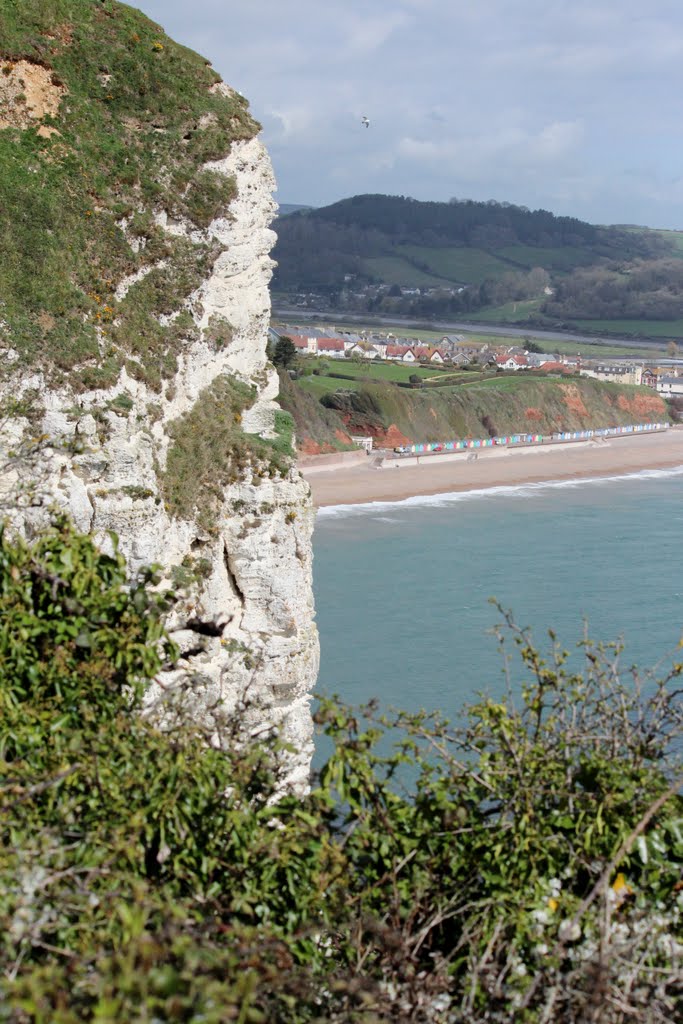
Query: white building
[{"x": 670, "y": 386}]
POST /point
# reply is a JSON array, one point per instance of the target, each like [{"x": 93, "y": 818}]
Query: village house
[
  {"x": 332, "y": 348},
  {"x": 618, "y": 373},
  {"x": 553, "y": 366},
  {"x": 379, "y": 345},
  {"x": 461, "y": 358},
  {"x": 429, "y": 355},
  {"x": 400, "y": 353},
  {"x": 670, "y": 386},
  {"x": 538, "y": 358},
  {"x": 304, "y": 345},
  {"x": 512, "y": 362},
  {"x": 451, "y": 341},
  {"x": 362, "y": 350}
]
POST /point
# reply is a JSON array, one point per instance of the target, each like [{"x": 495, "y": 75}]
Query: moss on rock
[{"x": 210, "y": 451}]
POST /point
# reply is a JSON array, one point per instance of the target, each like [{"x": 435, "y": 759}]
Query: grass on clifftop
[
  {"x": 499, "y": 405},
  {"x": 135, "y": 123}
]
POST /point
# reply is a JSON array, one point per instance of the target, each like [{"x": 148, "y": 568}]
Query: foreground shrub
[{"x": 525, "y": 866}]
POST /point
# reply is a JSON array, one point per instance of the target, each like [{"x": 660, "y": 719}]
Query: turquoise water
[{"x": 402, "y": 589}]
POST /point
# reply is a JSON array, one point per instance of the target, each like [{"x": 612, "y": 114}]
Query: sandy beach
[{"x": 365, "y": 480}]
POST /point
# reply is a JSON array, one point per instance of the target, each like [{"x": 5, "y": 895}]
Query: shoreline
[{"x": 364, "y": 482}]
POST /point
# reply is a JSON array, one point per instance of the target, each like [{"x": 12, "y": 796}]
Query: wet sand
[{"x": 439, "y": 474}]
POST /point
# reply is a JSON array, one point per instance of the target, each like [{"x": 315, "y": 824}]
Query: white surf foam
[{"x": 522, "y": 491}]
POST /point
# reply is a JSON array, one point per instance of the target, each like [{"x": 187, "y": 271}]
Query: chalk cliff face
[{"x": 238, "y": 547}]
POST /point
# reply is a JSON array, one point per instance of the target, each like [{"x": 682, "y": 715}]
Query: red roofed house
[
  {"x": 553, "y": 367},
  {"x": 333, "y": 348},
  {"x": 304, "y": 346},
  {"x": 400, "y": 353},
  {"x": 514, "y": 362}
]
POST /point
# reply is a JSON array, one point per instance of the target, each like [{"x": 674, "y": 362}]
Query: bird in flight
[{"x": 364, "y": 121}]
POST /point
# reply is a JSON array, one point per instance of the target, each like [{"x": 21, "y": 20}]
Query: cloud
[
  {"x": 364, "y": 35},
  {"x": 472, "y": 155},
  {"x": 556, "y": 141},
  {"x": 290, "y": 123},
  {"x": 541, "y": 103}
]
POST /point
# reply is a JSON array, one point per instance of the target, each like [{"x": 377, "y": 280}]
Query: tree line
[{"x": 625, "y": 274}]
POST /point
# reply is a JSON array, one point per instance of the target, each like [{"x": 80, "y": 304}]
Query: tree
[
  {"x": 672, "y": 349},
  {"x": 285, "y": 352}
]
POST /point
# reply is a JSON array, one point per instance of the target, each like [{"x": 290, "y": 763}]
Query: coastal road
[{"x": 448, "y": 327}]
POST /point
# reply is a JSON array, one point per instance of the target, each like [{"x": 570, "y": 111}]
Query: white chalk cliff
[{"x": 245, "y": 624}]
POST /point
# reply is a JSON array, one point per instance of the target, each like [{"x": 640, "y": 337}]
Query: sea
[{"x": 404, "y": 590}]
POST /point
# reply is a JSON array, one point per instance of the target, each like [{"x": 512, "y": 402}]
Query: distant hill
[
  {"x": 490, "y": 260},
  {"x": 284, "y": 209}
]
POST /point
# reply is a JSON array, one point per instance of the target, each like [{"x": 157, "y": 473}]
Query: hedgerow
[{"x": 524, "y": 866}]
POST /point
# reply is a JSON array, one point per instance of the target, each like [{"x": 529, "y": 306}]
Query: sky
[{"x": 573, "y": 106}]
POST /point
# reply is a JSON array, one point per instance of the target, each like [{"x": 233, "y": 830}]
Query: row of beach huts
[{"x": 526, "y": 439}]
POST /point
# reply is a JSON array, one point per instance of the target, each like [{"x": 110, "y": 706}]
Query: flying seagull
[{"x": 364, "y": 121}]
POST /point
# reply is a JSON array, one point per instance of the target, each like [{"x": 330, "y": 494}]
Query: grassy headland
[
  {"x": 129, "y": 118},
  {"x": 365, "y": 400}
]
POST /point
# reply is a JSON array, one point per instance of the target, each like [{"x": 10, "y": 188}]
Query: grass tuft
[{"x": 210, "y": 451}]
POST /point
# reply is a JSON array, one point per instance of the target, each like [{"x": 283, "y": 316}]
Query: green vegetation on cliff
[
  {"x": 210, "y": 450},
  {"x": 317, "y": 429},
  {"x": 105, "y": 122},
  {"x": 524, "y": 867},
  {"x": 478, "y": 405}
]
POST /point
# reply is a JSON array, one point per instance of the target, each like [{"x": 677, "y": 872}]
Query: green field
[
  {"x": 667, "y": 329},
  {"x": 675, "y": 240},
  {"x": 395, "y": 270},
  {"x": 318, "y": 386},
  {"x": 361, "y": 374},
  {"x": 509, "y": 312},
  {"x": 458, "y": 265},
  {"x": 424, "y": 265},
  {"x": 560, "y": 258}
]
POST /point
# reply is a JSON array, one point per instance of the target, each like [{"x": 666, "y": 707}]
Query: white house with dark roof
[
  {"x": 617, "y": 373},
  {"x": 380, "y": 346},
  {"x": 670, "y": 386}
]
